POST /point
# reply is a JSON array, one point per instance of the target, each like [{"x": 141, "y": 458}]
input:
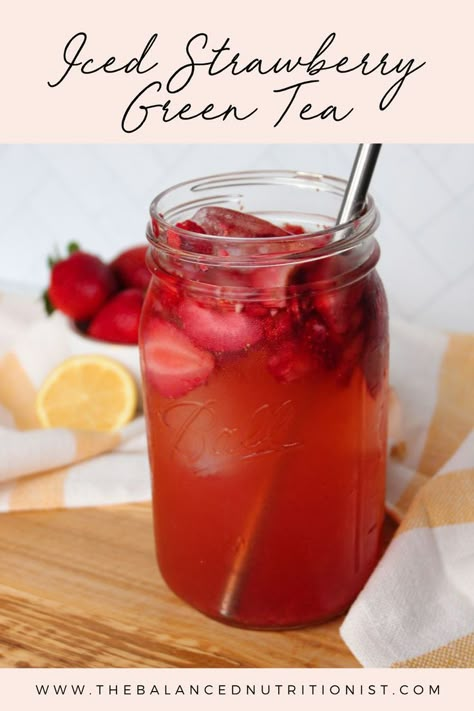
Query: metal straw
[
  {"x": 352, "y": 203},
  {"x": 359, "y": 181}
]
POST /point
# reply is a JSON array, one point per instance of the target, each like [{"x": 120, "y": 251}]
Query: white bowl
[{"x": 127, "y": 355}]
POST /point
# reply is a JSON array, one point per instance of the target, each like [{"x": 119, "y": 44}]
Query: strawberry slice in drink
[
  {"x": 323, "y": 345},
  {"x": 278, "y": 326},
  {"x": 335, "y": 304},
  {"x": 232, "y": 223},
  {"x": 219, "y": 331},
  {"x": 174, "y": 365},
  {"x": 293, "y": 229},
  {"x": 189, "y": 243},
  {"x": 338, "y": 306},
  {"x": 290, "y": 362},
  {"x": 168, "y": 292},
  {"x": 190, "y": 226},
  {"x": 271, "y": 282}
]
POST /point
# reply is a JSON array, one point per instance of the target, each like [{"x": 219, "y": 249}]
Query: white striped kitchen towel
[
  {"x": 417, "y": 609},
  {"x": 418, "y": 606},
  {"x": 54, "y": 468}
]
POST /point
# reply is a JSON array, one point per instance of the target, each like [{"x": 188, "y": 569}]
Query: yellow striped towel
[
  {"x": 418, "y": 607},
  {"x": 417, "y": 610},
  {"x": 41, "y": 469}
]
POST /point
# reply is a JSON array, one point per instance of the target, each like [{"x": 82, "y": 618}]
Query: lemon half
[{"x": 87, "y": 392}]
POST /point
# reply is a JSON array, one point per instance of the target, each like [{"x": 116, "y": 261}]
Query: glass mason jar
[{"x": 264, "y": 363}]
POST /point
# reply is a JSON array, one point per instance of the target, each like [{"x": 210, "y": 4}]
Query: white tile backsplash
[
  {"x": 453, "y": 305},
  {"x": 449, "y": 237},
  {"x": 99, "y": 195},
  {"x": 454, "y": 170},
  {"x": 407, "y": 188},
  {"x": 410, "y": 279}
]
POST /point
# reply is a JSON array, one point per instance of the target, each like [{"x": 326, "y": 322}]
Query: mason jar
[{"x": 264, "y": 356}]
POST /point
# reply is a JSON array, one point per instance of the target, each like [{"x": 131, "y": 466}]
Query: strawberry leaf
[
  {"x": 73, "y": 247},
  {"x": 54, "y": 258},
  {"x": 48, "y": 306}
]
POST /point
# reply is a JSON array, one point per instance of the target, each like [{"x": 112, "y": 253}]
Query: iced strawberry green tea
[{"x": 264, "y": 358}]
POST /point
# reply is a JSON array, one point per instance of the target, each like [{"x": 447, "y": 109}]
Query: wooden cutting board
[{"x": 80, "y": 588}]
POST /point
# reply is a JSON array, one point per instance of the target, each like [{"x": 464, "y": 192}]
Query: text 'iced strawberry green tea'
[{"x": 264, "y": 358}]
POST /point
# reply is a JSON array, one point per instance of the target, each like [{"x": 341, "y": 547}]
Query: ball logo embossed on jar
[{"x": 198, "y": 438}]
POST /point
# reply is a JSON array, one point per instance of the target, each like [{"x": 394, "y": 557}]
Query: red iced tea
[{"x": 265, "y": 395}]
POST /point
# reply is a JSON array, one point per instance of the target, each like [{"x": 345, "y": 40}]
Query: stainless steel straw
[
  {"x": 352, "y": 203},
  {"x": 359, "y": 181}
]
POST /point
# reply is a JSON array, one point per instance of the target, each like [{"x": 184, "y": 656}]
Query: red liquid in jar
[{"x": 267, "y": 434}]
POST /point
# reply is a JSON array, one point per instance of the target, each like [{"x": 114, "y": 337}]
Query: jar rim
[{"x": 344, "y": 236}]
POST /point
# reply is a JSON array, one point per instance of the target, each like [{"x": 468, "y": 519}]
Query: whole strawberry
[
  {"x": 130, "y": 268},
  {"x": 80, "y": 284},
  {"x": 118, "y": 320}
]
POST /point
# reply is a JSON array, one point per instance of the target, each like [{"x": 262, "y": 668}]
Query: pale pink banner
[{"x": 305, "y": 50}]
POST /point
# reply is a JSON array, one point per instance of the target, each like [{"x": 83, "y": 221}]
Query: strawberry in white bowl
[{"x": 100, "y": 303}]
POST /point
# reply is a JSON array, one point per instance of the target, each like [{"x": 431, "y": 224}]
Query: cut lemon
[{"x": 87, "y": 392}]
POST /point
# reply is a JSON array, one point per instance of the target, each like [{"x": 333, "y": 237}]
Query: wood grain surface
[{"x": 80, "y": 588}]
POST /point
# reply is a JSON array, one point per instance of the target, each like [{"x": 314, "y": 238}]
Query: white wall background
[{"x": 98, "y": 195}]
